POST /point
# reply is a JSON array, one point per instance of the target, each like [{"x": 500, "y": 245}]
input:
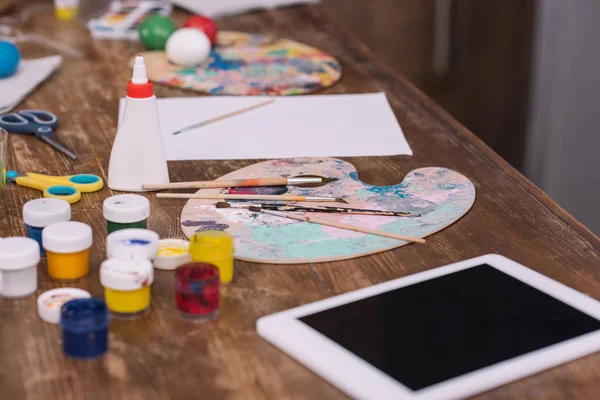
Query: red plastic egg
[{"x": 205, "y": 24}]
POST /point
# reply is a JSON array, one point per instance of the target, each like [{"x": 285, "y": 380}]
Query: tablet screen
[{"x": 445, "y": 327}]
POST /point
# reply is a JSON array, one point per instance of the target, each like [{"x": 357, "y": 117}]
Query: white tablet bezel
[{"x": 361, "y": 380}]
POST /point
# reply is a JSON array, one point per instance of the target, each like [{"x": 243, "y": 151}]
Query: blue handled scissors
[{"x": 37, "y": 122}]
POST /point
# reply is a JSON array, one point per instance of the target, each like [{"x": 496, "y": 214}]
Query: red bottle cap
[{"x": 139, "y": 90}]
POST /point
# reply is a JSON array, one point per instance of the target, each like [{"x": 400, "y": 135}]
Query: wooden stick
[
  {"x": 224, "y": 116},
  {"x": 340, "y": 225},
  {"x": 218, "y": 196},
  {"x": 219, "y": 184},
  {"x": 245, "y": 182}
]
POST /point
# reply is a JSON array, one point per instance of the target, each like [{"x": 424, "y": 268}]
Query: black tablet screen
[{"x": 442, "y": 328}]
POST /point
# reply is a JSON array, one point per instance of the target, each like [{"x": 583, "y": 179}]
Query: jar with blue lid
[
  {"x": 84, "y": 324},
  {"x": 40, "y": 213}
]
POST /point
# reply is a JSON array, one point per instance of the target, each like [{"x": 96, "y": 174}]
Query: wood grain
[{"x": 162, "y": 356}]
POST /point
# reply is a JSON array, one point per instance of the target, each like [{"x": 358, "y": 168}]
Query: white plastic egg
[{"x": 188, "y": 47}]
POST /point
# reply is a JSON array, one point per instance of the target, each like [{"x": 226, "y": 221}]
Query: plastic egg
[
  {"x": 9, "y": 59},
  {"x": 155, "y": 30},
  {"x": 205, "y": 24},
  {"x": 188, "y": 47}
]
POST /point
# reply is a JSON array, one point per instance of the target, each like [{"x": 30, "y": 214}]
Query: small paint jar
[
  {"x": 126, "y": 211},
  {"x": 19, "y": 257},
  {"x": 127, "y": 286},
  {"x": 84, "y": 324},
  {"x": 197, "y": 288},
  {"x": 39, "y": 213},
  {"x": 66, "y": 10},
  {"x": 50, "y": 302},
  {"x": 172, "y": 253},
  {"x": 67, "y": 247},
  {"x": 214, "y": 247},
  {"x": 132, "y": 244}
]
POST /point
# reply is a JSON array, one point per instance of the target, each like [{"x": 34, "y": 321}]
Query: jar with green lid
[
  {"x": 216, "y": 248},
  {"x": 126, "y": 211}
]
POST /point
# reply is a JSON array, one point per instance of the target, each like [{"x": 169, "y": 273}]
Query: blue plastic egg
[{"x": 9, "y": 59}]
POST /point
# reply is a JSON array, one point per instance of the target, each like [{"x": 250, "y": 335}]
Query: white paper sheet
[
  {"x": 297, "y": 126},
  {"x": 219, "y": 8},
  {"x": 14, "y": 89}
]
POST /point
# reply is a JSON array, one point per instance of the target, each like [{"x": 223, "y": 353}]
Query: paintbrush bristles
[
  {"x": 340, "y": 200},
  {"x": 255, "y": 209},
  {"x": 328, "y": 180}
]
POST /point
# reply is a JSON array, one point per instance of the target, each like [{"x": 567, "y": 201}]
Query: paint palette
[
  {"x": 250, "y": 64},
  {"x": 439, "y": 195}
]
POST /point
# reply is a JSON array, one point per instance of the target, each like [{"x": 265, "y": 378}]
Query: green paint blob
[{"x": 305, "y": 240}]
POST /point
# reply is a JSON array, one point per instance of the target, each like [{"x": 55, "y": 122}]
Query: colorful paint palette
[
  {"x": 250, "y": 64},
  {"x": 439, "y": 195}
]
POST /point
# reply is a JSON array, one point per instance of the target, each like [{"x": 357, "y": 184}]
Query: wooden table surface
[{"x": 162, "y": 356}]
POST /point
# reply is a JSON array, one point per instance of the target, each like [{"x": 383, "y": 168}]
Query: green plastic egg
[{"x": 154, "y": 31}]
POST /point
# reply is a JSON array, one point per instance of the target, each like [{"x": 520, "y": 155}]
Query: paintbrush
[
  {"x": 218, "y": 196},
  {"x": 320, "y": 209},
  {"x": 221, "y": 183},
  {"x": 340, "y": 225},
  {"x": 222, "y": 117}
]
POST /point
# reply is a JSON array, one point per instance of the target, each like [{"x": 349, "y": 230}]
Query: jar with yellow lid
[
  {"x": 216, "y": 248},
  {"x": 127, "y": 286}
]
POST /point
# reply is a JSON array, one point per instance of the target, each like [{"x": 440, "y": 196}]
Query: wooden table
[{"x": 162, "y": 356}]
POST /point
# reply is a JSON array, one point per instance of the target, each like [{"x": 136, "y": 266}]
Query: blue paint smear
[
  {"x": 134, "y": 242},
  {"x": 216, "y": 90},
  {"x": 220, "y": 63},
  {"x": 448, "y": 186},
  {"x": 388, "y": 191}
]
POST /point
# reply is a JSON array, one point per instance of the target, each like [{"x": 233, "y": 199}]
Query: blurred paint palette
[
  {"x": 250, "y": 64},
  {"x": 439, "y": 195}
]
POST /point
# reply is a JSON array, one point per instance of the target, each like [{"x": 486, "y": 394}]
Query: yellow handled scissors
[{"x": 67, "y": 188}]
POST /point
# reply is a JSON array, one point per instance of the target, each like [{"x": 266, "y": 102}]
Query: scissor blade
[{"x": 58, "y": 145}]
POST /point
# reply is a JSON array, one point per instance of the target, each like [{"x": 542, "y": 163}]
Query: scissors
[
  {"x": 67, "y": 188},
  {"x": 37, "y": 122}
]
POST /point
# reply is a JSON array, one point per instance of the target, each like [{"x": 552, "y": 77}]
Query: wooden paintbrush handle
[
  {"x": 354, "y": 228},
  {"x": 219, "y": 184},
  {"x": 217, "y": 196}
]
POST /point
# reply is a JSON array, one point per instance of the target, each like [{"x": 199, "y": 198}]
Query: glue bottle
[{"x": 138, "y": 156}]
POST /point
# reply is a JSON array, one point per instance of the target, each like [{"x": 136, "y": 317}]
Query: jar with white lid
[
  {"x": 67, "y": 246},
  {"x": 126, "y": 211},
  {"x": 19, "y": 257},
  {"x": 39, "y": 213},
  {"x": 127, "y": 286},
  {"x": 50, "y": 302},
  {"x": 132, "y": 244}
]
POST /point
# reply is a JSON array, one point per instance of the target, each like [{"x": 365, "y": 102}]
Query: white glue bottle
[{"x": 138, "y": 155}]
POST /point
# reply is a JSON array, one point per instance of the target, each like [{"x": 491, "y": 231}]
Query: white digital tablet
[{"x": 446, "y": 333}]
